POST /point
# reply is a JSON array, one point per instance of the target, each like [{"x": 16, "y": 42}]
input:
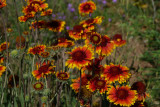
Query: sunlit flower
[
  {"x": 30, "y": 9},
  {"x": 39, "y": 3},
  {"x": 98, "y": 84},
  {"x": 62, "y": 75},
  {"x": 63, "y": 42},
  {"x": 3, "y": 46},
  {"x": 122, "y": 95},
  {"x": 20, "y": 42},
  {"x": 26, "y": 17},
  {"x": 105, "y": 47},
  {"x": 76, "y": 82},
  {"x": 36, "y": 49},
  {"x": 79, "y": 57},
  {"x": 45, "y": 54},
  {"x": 47, "y": 12},
  {"x": 77, "y": 32},
  {"x": 87, "y": 7},
  {"x": 38, "y": 86},
  {"x": 116, "y": 73},
  {"x": 43, "y": 70},
  {"x": 91, "y": 21},
  {"x": 2, "y": 69},
  {"x": 40, "y": 24},
  {"x": 141, "y": 90},
  {"x": 118, "y": 40},
  {"x": 2, "y": 3},
  {"x": 94, "y": 38},
  {"x": 13, "y": 81},
  {"x": 56, "y": 25}
]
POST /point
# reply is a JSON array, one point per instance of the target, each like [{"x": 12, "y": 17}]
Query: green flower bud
[
  {"x": 44, "y": 98},
  {"x": 26, "y": 98},
  {"x": 14, "y": 53}
]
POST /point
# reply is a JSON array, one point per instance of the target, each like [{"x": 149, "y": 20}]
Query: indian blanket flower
[
  {"x": 117, "y": 38},
  {"x": 2, "y": 3},
  {"x": 77, "y": 32},
  {"x": 99, "y": 84},
  {"x": 20, "y": 42},
  {"x": 36, "y": 49},
  {"x": 105, "y": 47},
  {"x": 9, "y": 30},
  {"x": 80, "y": 57},
  {"x": 26, "y": 17},
  {"x": 94, "y": 38},
  {"x": 87, "y": 7},
  {"x": 2, "y": 69},
  {"x": 55, "y": 25},
  {"x": 38, "y": 86},
  {"x": 123, "y": 95},
  {"x": 92, "y": 21},
  {"x": 1, "y": 59},
  {"x": 3, "y": 46},
  {"x": 45, "y": 54},
  {"x": 13, "y": 80},
  {"x": 115, "y": 73},
  {"x": 40, "y": 24},
  {"x": 62, "y": 75},
  {"x": 47, "y": 12},
  {"x": 141, "y": 90},
  {"x": 39, "y": 3},
  {"x": 63, "y": 42},
  {"x": 42, "y": 71},
  {"x": 76, "y": 82}
]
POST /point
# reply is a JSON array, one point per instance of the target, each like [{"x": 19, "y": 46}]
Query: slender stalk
[
  {"x": 154, "y": 10},
  {"x": 7, "y": 58}
]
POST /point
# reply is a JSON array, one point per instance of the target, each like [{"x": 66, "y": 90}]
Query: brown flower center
[
  {"x": 54, "y": 24},
  {"x": 87, "y": 7},
  {"x": 115, "y": 70},
  {"x": 79, "y": 55},
  {"x": 100, "y": 84},
  {"x": 63, "y": 75},
  {"x": 43, "y": 69},
  {"x": 122, "y": 94}
]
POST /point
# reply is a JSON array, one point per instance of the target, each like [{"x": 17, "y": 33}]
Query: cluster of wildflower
[{"x": 95, "y": 77}]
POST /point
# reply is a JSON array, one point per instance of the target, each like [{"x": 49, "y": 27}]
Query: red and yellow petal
[
  {"x": 62, "y": 75},
  {"x": 3, "y": 46},
  {"x": 2, "y": 69},
  {"x": 122, "y": 95},
  {"x": 2, "y": 3},
  {"x": 36, "y": 49}
]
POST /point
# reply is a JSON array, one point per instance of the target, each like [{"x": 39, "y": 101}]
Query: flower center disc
[
  {"x": 38, "y": 85},
  {"x": 115, "y": 70},
  {"x": 79, "y": 56},
  {"x": 87, "y": 7},
  {"x": 4, "y": 46},
  {"x": 100, "y": 84},
  {"x": 122, "y": 94},
  {"x": 62, "y": 75},
  {"x": 43, "y": 69}
]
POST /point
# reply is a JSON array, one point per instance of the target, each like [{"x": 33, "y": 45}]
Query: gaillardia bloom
[
  {"x": 36, "y": 49},
  {"x": 40, "y": 25},
  {"x": 62, "y": 75},
  {"x": 20, "y": 42},
  {"x": 76, "y": 82},
  {"x": 38, "y": 86},
  {"x": 63, "y": 42},
  {"x": 123, "y": 96},
  {"x": 141, "y": 90},
  {"x": 47, "y": 12},
  {"x": 139, "y": 104},
  {"x": 77, "y": 32},
  {"x": 2, "y": 69},
  {"x": 9, "y": 30},
  {"x": 3, "y": 46},
  {"x": 94, "y": 38},
  {"x": 1, "y": 59},
  {"x": 11, "y": 82},
  {"x": 87, "y": 7},
  {"x": 91, "y": 21},
  {"x": 55, "y": 25},
  {"x": 98, "y": 84},
  {"x": 79, "y": 57},
  {"x": 105, "y": 47},
  {"x": 116, "y": 73},
  {"x": 2, "y": 3},
  {"x": 43, "y": 70},
  {"x": 117, "y": 38}
]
